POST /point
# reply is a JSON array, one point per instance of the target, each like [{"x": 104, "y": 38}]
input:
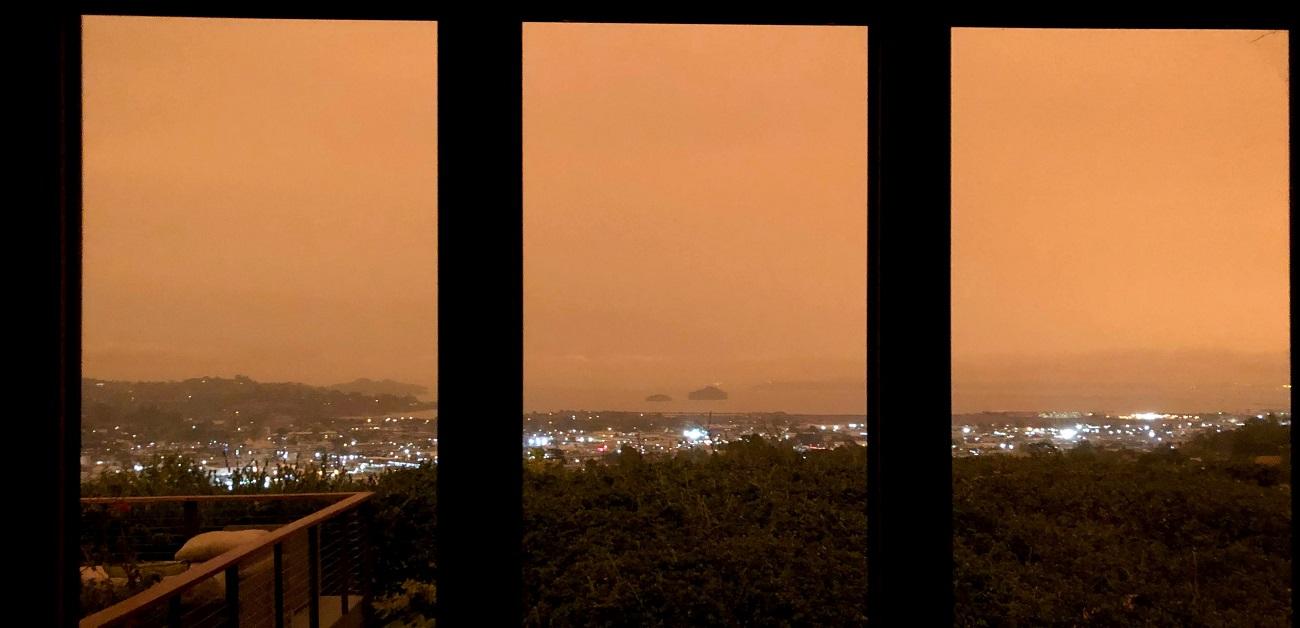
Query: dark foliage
[
  {"x": 755, "y": 535},
  {"x": 1105, "y": 538},
  {"x": 758, "y": 534}
]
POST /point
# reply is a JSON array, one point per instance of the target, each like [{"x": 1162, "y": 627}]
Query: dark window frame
[{"x": 480, "y": 227}]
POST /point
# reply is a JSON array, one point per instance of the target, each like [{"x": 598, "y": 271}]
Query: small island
[{"x": 708, "y": 393}]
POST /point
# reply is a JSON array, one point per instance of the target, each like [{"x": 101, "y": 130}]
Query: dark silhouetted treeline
[
  {"x": 1110, "y": 538},
  {"x": 758, "y": 534}
]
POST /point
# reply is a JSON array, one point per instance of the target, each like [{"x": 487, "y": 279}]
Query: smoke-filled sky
[
  {"x": 260, "y": 199},
  {"x": 694, "y": 214},
  {"x": 1120, "y": 221}
]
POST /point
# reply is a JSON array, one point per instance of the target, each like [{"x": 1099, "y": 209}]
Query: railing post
[
  {"x": 313, "y": 576},
  {"x": 232, "y": 596},
  {"x": 365, "y": 513},
  {"x": 191, "y": 518},
  {"x": 174, "y": 612},
  {"x": 278, "y": 551},
  {"x": 345, "y": 562}
]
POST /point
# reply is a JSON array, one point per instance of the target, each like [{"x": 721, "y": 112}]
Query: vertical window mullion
[
  {"x": 909, "y": 392},
  {"x": 480, "y": 313},
  {"x": 64, "y": 26}
]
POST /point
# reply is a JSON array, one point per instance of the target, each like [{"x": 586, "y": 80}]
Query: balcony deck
[{"x": 323, "y": 557}]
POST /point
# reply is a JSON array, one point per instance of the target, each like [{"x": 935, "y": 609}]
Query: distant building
[{"x": 659, "y": 398}]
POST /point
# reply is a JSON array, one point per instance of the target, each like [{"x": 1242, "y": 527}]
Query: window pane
[
  {"x": 260, "y": 207},
  {"x": 695, "y": 323},
  {"x": 1120, "y": 327}
]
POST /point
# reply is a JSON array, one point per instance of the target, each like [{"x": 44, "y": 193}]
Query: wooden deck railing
[{"x": 284, "y": 579}]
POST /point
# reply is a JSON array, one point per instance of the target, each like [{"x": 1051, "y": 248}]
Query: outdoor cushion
[{"x": 209, "y": 545}]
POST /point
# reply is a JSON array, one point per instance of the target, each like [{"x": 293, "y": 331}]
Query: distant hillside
[
  {"x": 367, "y": 386},
  {"x": 242, "y": 400}
]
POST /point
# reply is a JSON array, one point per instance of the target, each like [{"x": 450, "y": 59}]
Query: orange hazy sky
[
  {"x": 260, "y": 198},
  {"x": 1120, "y": 217},
  {"x": 694, "y": 214}
]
